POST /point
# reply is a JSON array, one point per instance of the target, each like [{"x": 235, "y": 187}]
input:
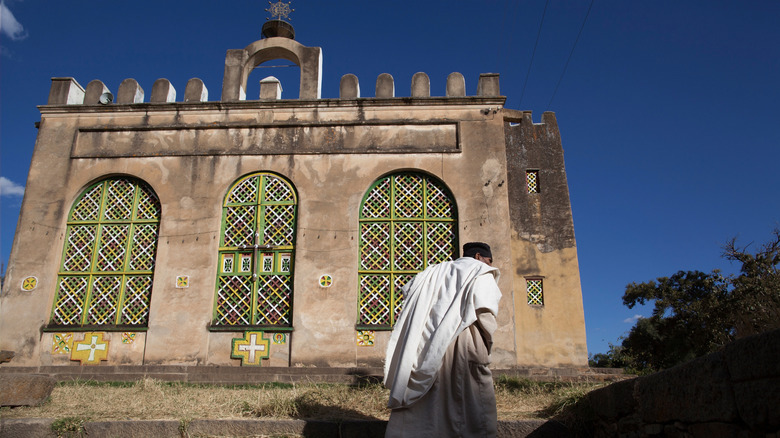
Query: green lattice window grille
[
  {"x": 257, "y": 247},
  {"x": 532, "y": 181},
  {"x": 105, "y": 277},
  {"x": 535, "y": 292},
  {"x": 407, "y": 222}
]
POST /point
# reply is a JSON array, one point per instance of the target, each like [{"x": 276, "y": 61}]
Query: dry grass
[
  {"x": 153, "y": 399},
  {"x": 519, "y": 399}
]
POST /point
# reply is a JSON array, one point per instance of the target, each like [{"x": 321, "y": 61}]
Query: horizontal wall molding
[{"x": 271, "y": 139}]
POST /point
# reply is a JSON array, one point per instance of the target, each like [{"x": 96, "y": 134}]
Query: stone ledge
[
  {"x": 42, "y": 428},
  {"x": 24, "y": 389},
  {"x": 245, "y": 375},
  {"x": 26, "y": 428},
  {"x": 147, "y": 428}
]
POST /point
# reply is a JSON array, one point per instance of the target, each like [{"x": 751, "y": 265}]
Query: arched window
[
  {"x": 408, "y": 221},
  {"x": 105, "y": 278},
  {"x": 254, "y": 275}
]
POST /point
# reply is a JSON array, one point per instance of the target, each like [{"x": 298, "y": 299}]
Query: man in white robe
[{"x": 438, "y": 355}]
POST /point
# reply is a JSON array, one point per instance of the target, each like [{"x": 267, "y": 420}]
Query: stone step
[
  {"x": 250, "y": 375},
  {"x": 43, "y": 428}
]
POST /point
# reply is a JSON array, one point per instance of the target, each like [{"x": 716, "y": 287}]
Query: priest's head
[{"x": 479, "y": 251}]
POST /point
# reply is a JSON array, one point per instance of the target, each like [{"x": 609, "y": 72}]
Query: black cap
[{"x": 472, "y": 248}]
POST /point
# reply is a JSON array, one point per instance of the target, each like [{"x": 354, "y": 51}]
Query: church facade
[{"x": 279, "y": 232}]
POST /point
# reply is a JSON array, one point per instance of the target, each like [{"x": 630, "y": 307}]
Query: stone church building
[{"x": 262, "y": 231}]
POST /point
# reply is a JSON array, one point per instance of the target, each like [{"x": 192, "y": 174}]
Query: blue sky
[{"x": 669, "y": 111}]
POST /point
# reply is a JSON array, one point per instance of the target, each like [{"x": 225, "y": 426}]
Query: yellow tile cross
[
  {"x": 91, "y": 350},
  {"x": 251, "y": 348}
]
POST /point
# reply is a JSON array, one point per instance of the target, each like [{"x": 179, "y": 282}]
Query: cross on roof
[{"x": 280, "y": 10}]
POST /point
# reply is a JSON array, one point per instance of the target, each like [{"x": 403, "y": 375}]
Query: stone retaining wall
[{"x": 731, "y": 393}]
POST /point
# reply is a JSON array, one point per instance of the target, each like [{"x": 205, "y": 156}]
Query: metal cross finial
[{"x": 280, "y": 10}]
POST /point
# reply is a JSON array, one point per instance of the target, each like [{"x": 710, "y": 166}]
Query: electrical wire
[
  {"x": 506, "y": 42},
  {"x": 570, "y": 55},
  {"x": 533, "y": 54}
]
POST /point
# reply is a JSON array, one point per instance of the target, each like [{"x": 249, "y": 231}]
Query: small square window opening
[
  {"x": 535, "y": 292},
  {"x": 532, "y": 180}
]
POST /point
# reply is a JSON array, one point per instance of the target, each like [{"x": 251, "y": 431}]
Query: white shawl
[{"x": 439, "y": 303}]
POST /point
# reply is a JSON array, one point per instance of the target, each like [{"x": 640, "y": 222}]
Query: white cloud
[
  {"x": 10, "y": 188},
  {"x": 633, "y": 319},
  {"x": 8, "y": 24}
]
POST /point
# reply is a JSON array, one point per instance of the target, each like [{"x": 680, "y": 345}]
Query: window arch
[
  {"x": 256, "y": 253},
  {"x": 105, "y": 277},
  {"x": 408, "y": 221}
]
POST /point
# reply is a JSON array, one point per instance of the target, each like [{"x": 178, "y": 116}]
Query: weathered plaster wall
[
  {"x": 543, "y": 246},
  {"x": 191, "y": 153}
]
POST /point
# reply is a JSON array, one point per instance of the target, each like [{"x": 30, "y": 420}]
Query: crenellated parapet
[
  {"x": 163, "y": 91},
  {"x": 239, "y": 64},
  {"x": 67, "y": 91}
]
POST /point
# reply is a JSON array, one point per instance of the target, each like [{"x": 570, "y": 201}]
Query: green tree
[
  {"x": 696, "y": 313},
  {"x": 613, "y": 358},
  {"x": 756, "y": 290},
  {"x": 687, "y": 319}
]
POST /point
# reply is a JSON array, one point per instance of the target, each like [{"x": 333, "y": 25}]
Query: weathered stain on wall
[{"x": 550, "y": 332}]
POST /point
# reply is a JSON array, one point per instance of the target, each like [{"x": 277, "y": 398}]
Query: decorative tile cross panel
[
  {"x": 91, "y": 350},
  {"x": 251, "y": 348},
  {"x": 62, "y": 343}
]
